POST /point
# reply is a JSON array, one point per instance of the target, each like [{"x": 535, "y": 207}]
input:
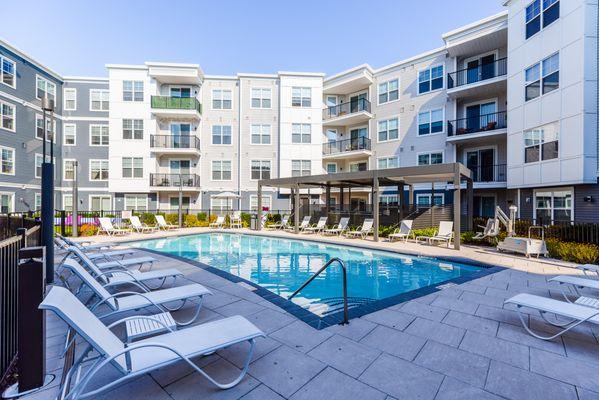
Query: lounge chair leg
[
  {"x": 530, "y": 331},
  {"x": 194, "y": 317}
]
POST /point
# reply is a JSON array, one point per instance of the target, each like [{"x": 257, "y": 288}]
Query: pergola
[{"x": 454, "y": 173}]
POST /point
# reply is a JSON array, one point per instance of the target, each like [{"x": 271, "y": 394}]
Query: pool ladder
[{"x": 344, "y": 270}]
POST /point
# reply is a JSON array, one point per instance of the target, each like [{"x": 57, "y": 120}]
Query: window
[
  {"x": 99, "y": 203},
  {"x": 221, "y": 134},
  {"x": 266, "y": 203},
  {"x": 424, "y": 199},
  {"x": 7, "y": 114},
  {"x": 70, "y": 99},
  {"x": 430, "y": 79},
  {"x": 542, "y": 77},
  {"x": 549, "y": 14},
  {"x": 69, "y": 134},
  {"x": 7, "y": 161},
  {"x": 331, "y": 168},
  {"x": 260, "y": 98},
  {"x": 221, "y": 170},
  {"x": 389, "y": 91},
  {"x": 221, "y": 99},
  {"x": 430, "y": 158},
  {"x": 133, "y": 129},
  {"x": 301, "y": 167},
  {"x": 6, "y": 202},
  {"x": 219, "y": 205},
  {"x": 98, "y": 135},
  {"x": 7, "y": 72},
  {"x": 553, "y": 206},
  {"x": 301, "y": 97},
  {"x": 181, "y": 92},
  {"x": 388, "y": 130},
  {"x": 98, "y": 99},
  {"x": 68, "y": 169},
  {"x": 132, "y": 91},
  {"x": 45, "y": 88},
  {"x": 388, "y": 162},
  {"x": 260, "y": 134},
  {"x": 136, "y": 202},
  {"x": 37, "y": 202},
  {"x": 67, "y": 202},
  {"x": 50, "y": 127},
  {"x": 430, "y": 122},
  {"x": 388, "y": 200},
  {"x": 358, "y": 166},
  {"x": 301, "y": 133},
  {"x": 98, "y": 170},
  {"x": 541, "y": 143},
  {"x": 39, "y": 160},
  {"x": 260, "y": 169},
  {"x": 133, "y": 167}
]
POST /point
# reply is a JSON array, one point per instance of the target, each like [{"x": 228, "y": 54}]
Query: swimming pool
[{"x": 280, "y": 266}]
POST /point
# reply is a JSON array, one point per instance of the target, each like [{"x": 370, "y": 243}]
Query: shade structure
[{"x": 226, "y": 195}]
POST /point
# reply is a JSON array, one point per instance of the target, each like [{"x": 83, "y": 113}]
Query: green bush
[
  {"x": 202, "y": 217},
  {"x": 580, "y": 253},
  {"x": 386, "y": 230},
  {"x": 190, "y": 221},
  {"x": 172, "y": 218},
  {"x": 245, "y": 219},
  {"x": 427, "y": 232},
  {"x": 147, "y": 218},
  {"x": 88, "y": 230}
]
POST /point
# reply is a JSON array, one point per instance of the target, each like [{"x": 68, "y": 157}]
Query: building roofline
[
  {"x": 253, "y": 75},
  {"x": 365, "y": 66},
  {"x": 30, "y": 59},
  {"x": 418, "y": 57},
  {"x": 310, "y": 74},
  {"x": 486, "y": 20},
  {"x": 225, "y": 77},
  {"x": 85, "y": 78},
  {"x": 126, "y": 66}
]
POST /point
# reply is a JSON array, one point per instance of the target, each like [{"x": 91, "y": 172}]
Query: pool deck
[{"x": 458, "y": 343}]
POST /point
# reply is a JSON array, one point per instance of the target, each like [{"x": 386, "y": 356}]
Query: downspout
[{"x": 239, "y": 148}]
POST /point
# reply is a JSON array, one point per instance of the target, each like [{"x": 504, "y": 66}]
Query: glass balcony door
[
  {"x": 356, "y": 103},
  {"x": 180, "y": 135},
  {"x": 180, "y": 92},
  {"x": 481, "y": 163},
  {"x": 478, "y": 116},
  {"x": 357, "y": 138}
]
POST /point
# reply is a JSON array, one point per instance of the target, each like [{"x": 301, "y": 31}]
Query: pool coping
[{"x": 336, "y": 318}]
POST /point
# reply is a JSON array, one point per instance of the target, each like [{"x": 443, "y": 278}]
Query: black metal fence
[
  {"x": 481, "y": 72},
  {"x": 175, "y": 141},
  {"x": 352, "y": 106},
  {"x": 477, "y": 124},
  {"x": 489, "y": 173},
  {"x": 341, "y": 146},
  {"x": 175, "y": 180}
]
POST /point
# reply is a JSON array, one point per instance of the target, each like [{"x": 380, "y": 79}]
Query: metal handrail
[{"x": 309, "y": 280}]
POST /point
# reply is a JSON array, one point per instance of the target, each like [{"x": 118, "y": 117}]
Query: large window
[
  {"x": 45, "y": 88},
  {"x": 553, "y": 206},
  {"x": 100, "y": 203},
  {"x": 387, "y": 162},
  {"x": 430, "y": 122},
  {"x": 98, "y": 135},
  {"x": 221, "y": 170},
  {"x": 69, "y": 134},
  {"x": 219, "y": 205},
  {"x": 541, "y": 143},
  {"x": 37, "y": 201},
  {"x": 98, "y": 170},
  {"x": 133, "y": 129},
  {"x": 430, "y": 79},
  {"x": 7, "y": 161},
  {"x": 133, "y": 167},
  {"x": 260, "y": 169},
  {"x": 430, "y": 158},
  {"x": 388, "y": 130},
  {"x": 221, "y": 99},
  {"x": 301, "y": 97},
  {"x": 6, "y": 202},
  {"x": 68, "y": 169},
  {"x": 39, "y": 125},
  {"x": 301, "y": 167},
  {"x": 133, "y": 91},
  {"x": 8, "y": 72},
  {"x": 67, "y": 202},
  {"x": 70, "y": 99},
  {"x": 7, "y": 116},
  {"x": 301, "y": 133},
  {"x": 266, "y": 203},
  {"x": 540, "y": 13},
  {"x": 387, "y": 200},
  {"x": 331, "y": 168},
  {"x": 388, "y": 91},
  {"x": 424, "y": 199},
  {"x": 98, "y": 99},
  {"x": 221, "y": 134},
  {"x": 39, "y": 160},
  {"x": 136, "y": 202},
  {"x": 260, "y": 134},
  {"x": 261, "y": 98},
  {"x": 542, "y": 78}
]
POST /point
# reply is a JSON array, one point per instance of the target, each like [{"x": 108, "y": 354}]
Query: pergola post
[
  {"x": 341, "y": 197},
  {"x": 375, "y": 207},
  {"x": 296, "y": 210},
  {"x": 456, "y": 209},
  {"x": 327, "y": 196},
  {"x": 433, "y": 203},
  {"x": 400, "y": 202},
  {"x": 411, "y": 201},
  {"x": 259, "y": 222},
  {"x": 470, "y": 196}
]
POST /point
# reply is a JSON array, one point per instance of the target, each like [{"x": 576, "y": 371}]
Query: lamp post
[
  {"x": 180, "y": 201},
  {"x": 48, "y": 191},
  {"x": 75, "y": 205}
]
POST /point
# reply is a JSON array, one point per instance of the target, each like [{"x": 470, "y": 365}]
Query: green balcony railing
[{"x": 176, "y": 103}]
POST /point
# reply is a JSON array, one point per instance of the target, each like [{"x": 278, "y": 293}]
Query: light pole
[
  {"x": 48, "y": 191},
  {"x": 180, "y": 201},
  {"x": 75, "y": 207}
]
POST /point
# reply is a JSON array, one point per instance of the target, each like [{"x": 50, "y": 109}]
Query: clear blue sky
[{"x": 79, "y": 37}]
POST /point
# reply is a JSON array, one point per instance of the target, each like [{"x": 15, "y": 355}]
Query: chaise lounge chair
[
  {"x": 112, "y": 263},
  {"x": 282, "y": 224},
  {"x": 403, "y": 232},
  {"x": 139, "y": 227},
  {"x": 363, "y": 231},
  {"x": 576, "y": 283},
  {"x": 108, "y": 255},
  {"x": 162, "y": 224},
  {"x": 107, "y": 227},
  {"x": 339, "y": 228},
  {"x": 235, "y": 220},
  {"x": 303, "y": 225},
  {"x": 444, "y": 234},
  {"x": 219, "y": 223},
  {"x": 320, "y": 225},
  {"x": 87, "y": 245},
  {"x": 146, "y": 355}
]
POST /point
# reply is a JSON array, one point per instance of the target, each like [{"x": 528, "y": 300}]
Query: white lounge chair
[
  {"x": 589, "y": 269},
  {"x": 235, "y": 220},
  {"x": 87, "y": 245},
  {"x": 303, "y": 225},
  {"x": 107, "y": 227},
  {"x": 320, "y": 225},
  {"x": 444, "y": 234},
  {"x": 146, "y": 355},
  {"x": 339, "y": 228},
  {"x": 363, "y": 231},
  {"x": 95, "y": 255},
  {"x": 162, "y": 224},
  {"x": 282, "y": 224},
  {"x": 112, "y": 263},
  {"x": 403, "y": 232},
  {"x": 139, "y": 227},
  {"x": 219, "y": 223},
  {"x": 576, "y": 283}
]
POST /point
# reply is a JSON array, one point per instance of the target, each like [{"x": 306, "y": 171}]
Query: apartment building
[{"x": 512, "y": 96}]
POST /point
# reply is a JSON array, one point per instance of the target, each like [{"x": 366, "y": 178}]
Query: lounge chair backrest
[
  {"x": 236, "y": 214},
  {"x": 60, "y": 243},
  {"x": 89, "y": 280},
  {"x": 285, "y": 220},
  {"x": 306, "y": 221},
  {"x": 160, "y": 220},
  {"x": 343, "y": 222},
  {"x": 88, "y": 263},
  {"x": 135, "y": 222},
  {"x": 406, "y": 226},
  {"x": 322, "y": 221},
  {"x": 106, "y": 224},
  {"x": 445, "y": 228},
  {"x": 88, "y": 326},
  {"x": 220, "y": 220},
  {"x": 367, "y": 225}
]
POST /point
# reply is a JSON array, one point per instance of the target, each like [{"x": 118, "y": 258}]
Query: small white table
[{"x": 138, "y": 328}]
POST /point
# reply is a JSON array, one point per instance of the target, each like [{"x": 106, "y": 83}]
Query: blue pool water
[{"x": 282, "y": 265}]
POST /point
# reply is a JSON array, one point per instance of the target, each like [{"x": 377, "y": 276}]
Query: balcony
[
  {"x": 174, "y": 182},
  {"x": 473, "y": 127},
  {"x": 175, "y": 144},
  {"x": 478, "y": 81},
  {"x": 176, "y": 107},
  {"x": 489, "y": 174},
  {"x": 348, "y": 148},
  {"x": 350, "y": 113}
]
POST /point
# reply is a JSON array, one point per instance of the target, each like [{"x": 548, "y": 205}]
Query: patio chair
[
  {"x": 444, "y": 234},
  {"x": 303, "y": 225},
  {"x": 62, "y": 245},
  {"x": 219, "y": 223},
  {"x": 403, "y": 232},
  {"x": 162, "y": 224},
  {"x": 363, "y": 231},
  {"x": 107, "y": 227},
  {"x": 139, "y": 227},
  {"x": 282, "y": 224},
  {"x": 318, "y": 227},
  {"x": 235, "y": 220},
  {"x": 339, "y": 228},
  {"x": 146, "y": 355}
]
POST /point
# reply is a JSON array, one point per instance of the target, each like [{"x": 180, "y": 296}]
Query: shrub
[
  {"x": 172, "y": 218},
  {"x": 212, "y": 218},
  {"x": 88, "y": 230},
  {"x": 245, "y": 219},
  {"x": 580, "y": 253},
  {"x": 191, "y": 220},
  {"x": 202, "y": 217},
  {"x": 147, "y": 218},
  {"x": 385, "y": 231},
  {"x": 428, "y": 232}
]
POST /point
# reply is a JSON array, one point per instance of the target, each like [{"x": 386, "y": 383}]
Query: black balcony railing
[
  {"x": 341, "y": 146},
  {"x": 176, "y": 103},
  {"x": 175, "y": 180},
  {"x": 350, "y": 107},
  {"x": 478, "y": 123},
  {"x": 174, "y": 142},
  {"x": 489, "y": 173},
  {"x": 477, "y": 74}
]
